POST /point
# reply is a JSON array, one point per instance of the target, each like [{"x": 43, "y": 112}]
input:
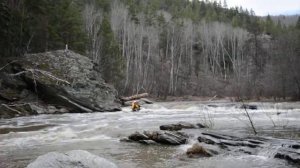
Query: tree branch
[
  {"x": 45, "y": 73},
  {"x": 14, "y": 110},
  {"x": 7, "y": 64}
]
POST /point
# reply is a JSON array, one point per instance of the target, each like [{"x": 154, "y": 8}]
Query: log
[
  {"x": 140, "y": 101},
  {"x": 134, "y": 97}
]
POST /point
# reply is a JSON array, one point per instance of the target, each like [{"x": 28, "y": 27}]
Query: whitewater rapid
[{"x": 23, "y": 139}]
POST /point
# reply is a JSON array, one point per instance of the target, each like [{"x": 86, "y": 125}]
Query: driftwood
[{"x": 134, "y": 97}]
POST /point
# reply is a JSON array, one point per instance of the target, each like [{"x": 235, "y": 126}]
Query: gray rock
[
  {"x": 289, "y": 152},
  {"x": 226, "y": 140},
  {"x": 86, "y": 91},
  {"x": 180, "y": 126},
  {"x": 170, "y": 138},
  {"x": 138, "y": 137},
  {"x": 62, "y": 82},
  {"x": 147, "y": 142},
  {"x": 72, "y": 159},
  {"x": 162, "y": 137},
  {"x": 171, "y": 127},
  {"x": 249, "y": 106}
]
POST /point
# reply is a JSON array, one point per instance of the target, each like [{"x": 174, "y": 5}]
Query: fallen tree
[
  {"x": 140, "y": 98},
  {"x": 134, "y": 97}
]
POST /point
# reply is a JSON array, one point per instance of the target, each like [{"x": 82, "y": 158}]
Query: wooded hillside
[{"x": 163, "y": 47}]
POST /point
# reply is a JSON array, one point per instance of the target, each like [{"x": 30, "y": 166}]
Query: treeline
[
  {"x": 38, "y": 26},
  {"x": 164, "y": 47}
]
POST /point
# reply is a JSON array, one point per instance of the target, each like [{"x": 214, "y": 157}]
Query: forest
[{"x": 163, "y": 47}]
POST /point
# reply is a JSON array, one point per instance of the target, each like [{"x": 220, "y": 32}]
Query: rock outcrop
[
  {"x": 77, "y": 158},
  {"x": 62, "y": 79}
]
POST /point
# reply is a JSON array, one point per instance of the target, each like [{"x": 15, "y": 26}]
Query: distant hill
[
  {"x": 292, "y": 12},
  {"x": 287, "y": 20}
]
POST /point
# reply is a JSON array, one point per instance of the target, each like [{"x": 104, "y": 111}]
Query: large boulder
[
  {"x": 63, "y": 79},
  {"x": 81, "y": 87},
  {"x": 72, "y": 159}
]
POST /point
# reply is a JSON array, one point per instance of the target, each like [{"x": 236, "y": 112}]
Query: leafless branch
[
  {"x": 249, "y": 118},
  {"x": 7, "y": 64},
  {"x": 45, "y": 73},
  {"x": 14, "y": 110}
]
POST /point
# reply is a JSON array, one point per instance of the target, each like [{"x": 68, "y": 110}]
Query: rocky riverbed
[{"x": 23, "y": 139}]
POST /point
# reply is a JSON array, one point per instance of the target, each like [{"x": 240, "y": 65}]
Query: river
[{"x": 24, "y": 139}]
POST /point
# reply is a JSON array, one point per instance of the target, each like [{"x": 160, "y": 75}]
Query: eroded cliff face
[{"x": 54, "y": 82}]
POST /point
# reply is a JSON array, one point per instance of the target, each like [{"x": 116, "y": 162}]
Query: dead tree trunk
[{"x": 134, "y": 97}]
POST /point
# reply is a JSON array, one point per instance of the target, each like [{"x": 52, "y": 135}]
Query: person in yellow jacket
[{"x": 135, "y": 106}]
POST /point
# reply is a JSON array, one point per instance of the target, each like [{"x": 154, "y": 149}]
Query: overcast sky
[{"x": 264, "y": 7}]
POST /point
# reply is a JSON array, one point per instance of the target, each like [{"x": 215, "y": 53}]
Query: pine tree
[
  {"x": 225, "y": 4},
  {"x": 65, "y": 26},
  {"x": 111, "y": 62},
  {"x": 4, "y": 29},
  {"x": 269, "y": 25}
]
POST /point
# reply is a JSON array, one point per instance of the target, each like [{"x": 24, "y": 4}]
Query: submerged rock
[
  {"x": 248, "y": 106},
  {"x": 71, "y": 159},
  {"x": 226, "y": 141},
  {"x": 138, "y": 137},
  {"x": 162, "y": 137},
  {"x": 170, "y": 138},
  {"x": 63, "y": 79},
  {"x": 180, "y": 126},
  {"x": 198, "y": 151},
  {"x": 211, "y": 143},
  {"x": 290, "y": 153}
]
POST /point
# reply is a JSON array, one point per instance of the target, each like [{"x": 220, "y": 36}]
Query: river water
[{"x": 24, "y": 139}]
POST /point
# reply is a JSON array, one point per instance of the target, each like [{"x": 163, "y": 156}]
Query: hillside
[{"x": 164, "y": 47}]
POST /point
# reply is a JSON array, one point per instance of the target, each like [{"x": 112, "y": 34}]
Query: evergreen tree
[
  {"x": 269, "y": 25},
  {"x": 38, "y": 26},
  {"x": 5, "y": 30},
  {"x": 111, "y": 62},
  {"x": 104, "y": 5},
  {"x": 225, "y": 4},
  {"x": 65, "y": 26},
  {"x": 298, "y": 23}
]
